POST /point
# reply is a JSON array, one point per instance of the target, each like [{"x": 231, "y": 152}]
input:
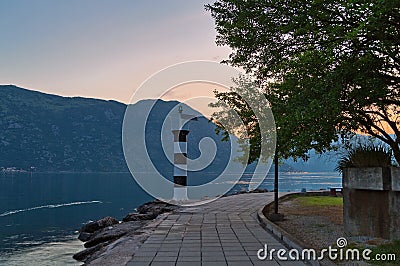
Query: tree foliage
[
  {"x": 326, "y": 66},
  {"x": 246, "y": 113}
]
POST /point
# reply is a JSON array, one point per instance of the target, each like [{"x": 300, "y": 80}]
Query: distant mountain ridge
[{"x": 55, "y": 133}]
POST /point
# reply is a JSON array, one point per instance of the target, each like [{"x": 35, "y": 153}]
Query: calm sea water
[{"x": 40, "y": 213}]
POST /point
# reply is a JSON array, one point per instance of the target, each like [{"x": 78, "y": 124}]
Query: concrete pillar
[{"x": 371, "y": 202}]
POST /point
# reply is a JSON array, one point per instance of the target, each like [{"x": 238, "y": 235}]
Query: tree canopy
[{"x": 326, "y": 66}]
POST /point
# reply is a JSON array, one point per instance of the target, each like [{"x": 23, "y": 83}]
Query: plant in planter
[{"x": 366, "y": 155}]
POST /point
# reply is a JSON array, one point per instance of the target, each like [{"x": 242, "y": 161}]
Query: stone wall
[{"x": 371, "y": 202}]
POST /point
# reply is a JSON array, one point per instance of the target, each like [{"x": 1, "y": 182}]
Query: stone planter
[{"x": 371, "y": 202}]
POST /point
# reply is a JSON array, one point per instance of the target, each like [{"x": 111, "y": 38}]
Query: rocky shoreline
[{"x": 107, "y": 239}]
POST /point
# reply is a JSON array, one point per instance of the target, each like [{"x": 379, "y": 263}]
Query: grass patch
[
  {"x": 391, "y": 248},
  {"x": 320, "y": 201}
]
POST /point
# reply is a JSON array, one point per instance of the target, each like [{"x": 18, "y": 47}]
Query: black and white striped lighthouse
[{"x": 180, "y": 157}]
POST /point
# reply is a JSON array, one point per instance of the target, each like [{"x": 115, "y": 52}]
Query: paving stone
[
  {"x": 213, "y": 263},
  {"x": 167, "y": 254},
  {"x": 162, "y": 263},
  {"x": 240, "y": 263},
  {"x": 212, "y": 258},
  {"x": 169, "y": 249},
  {"x": 161, "y": 258},
  {"x": 234, "y": 249},
  {"x": 190, "y": 248},
  {"x": 229, "y": 253},
  {"x": 212, "y": 244},
  {"x": 189, "y": 253},
  {"x": 237, "y": 258},
  {"x": 184, "y": 258},
  {"x": 188, "y": 263},
  {"x": 211, "y": 248},
  {"x": 145, "y": 253},
  {"x": 216, "y": 252},
  {"x": 169, "y": 245}
]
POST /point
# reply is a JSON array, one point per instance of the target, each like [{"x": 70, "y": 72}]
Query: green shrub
[{"x": 366, "y": 155}]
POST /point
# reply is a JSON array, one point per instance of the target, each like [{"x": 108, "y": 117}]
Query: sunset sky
[{"x": 97, "y": 48}]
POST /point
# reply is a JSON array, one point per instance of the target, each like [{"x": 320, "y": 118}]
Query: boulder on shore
[
  {"x": 99, "y": 224},
  {"x": 112, "y": 233},
  {"x": 156, "y": 207},
  {"x": 99, "y": 235},
  {"x": 133, "y": 216},
  {"x": 87, "y": 231},
  {"x": 149, "y": 211},
  {"x": 86, "y": 253}
]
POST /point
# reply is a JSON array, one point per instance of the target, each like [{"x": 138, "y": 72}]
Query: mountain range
[{"x": 53, "y": 133}]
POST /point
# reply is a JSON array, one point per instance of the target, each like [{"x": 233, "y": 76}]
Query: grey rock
[
  {"x": 107, "y": 232},
  {"x": 149, "y": 211},
  {"x": 97, "y": 225},
  {"x": 112, "y": 233},
  {"x": 139, "y": 217},
  {"x": 84, "y": 236},
  {"x": 86, "y": 253},
  {"x": 156, "y": 207}
]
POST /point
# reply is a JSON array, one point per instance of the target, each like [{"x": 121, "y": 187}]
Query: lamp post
[{"x": 276, "y": 216}]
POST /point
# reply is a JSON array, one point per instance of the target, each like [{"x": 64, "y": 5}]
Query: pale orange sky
[
  {"x": 197, "y": 95},
  {"x": 97, "y": 48}
]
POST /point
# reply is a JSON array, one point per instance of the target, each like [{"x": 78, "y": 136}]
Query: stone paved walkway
[{"x": 223, "y": 232}]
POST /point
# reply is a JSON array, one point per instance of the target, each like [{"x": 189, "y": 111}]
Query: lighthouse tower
[{"x": 180, "y": 157}]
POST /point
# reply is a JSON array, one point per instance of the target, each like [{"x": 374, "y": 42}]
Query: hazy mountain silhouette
[{"x": 54, "y": 133}]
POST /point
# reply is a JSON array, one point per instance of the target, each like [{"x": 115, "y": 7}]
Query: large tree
[{"x": 326, "y": 66}]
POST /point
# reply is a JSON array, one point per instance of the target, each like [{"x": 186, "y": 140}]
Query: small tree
[{"x": 292, "y": 140}]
